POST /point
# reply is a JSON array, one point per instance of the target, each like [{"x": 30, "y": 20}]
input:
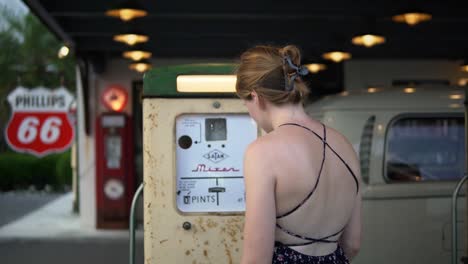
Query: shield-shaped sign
[{"x": 39, "y": 122}]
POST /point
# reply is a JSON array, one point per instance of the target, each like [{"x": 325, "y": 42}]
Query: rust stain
[
  {"x": 205, "y": 253},
  {"x": 187, "y": 252},
  {"x": 228, "y": 253},
  {"x": 232, "y": 233},
  {"x": 232, "y": 228},
  {"x": 200, "y": 223},
  {"x": 164, "y": 240},
  {"x": 153, "y": 117},
  {"x": 210, "y": 223},
  {"x": 207, "y": 243},
  {"x": 150, "y": 157},
  {"x": 149, "y": 205}
]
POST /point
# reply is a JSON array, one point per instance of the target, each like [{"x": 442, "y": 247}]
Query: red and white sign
[{"x": 39, "y": 122}]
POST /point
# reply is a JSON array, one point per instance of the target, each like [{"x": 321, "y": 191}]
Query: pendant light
[
  {"x": 409, "y": 90},
  {"x": 337, "y": 56},
  {"x": 336, "y": 52},
  {"x": 63, "y": 52},
  {"x": 131, "y": 37},
  {"x": 127, "y": 11},
  {"x": 316, "y": 67},
  {"x": 368, "y": 40},
  {"x": 464, "y": 66},
  {"x": 137, "y": 53},
  {"x": 412, "y": 18},
  {"x": 371, "y": 90},
  {"x": 140, "y": 66},
  {"x": 374, "y": 89}
]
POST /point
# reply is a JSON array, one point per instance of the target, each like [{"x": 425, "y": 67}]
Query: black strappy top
[{"x": 311, "y": 240}]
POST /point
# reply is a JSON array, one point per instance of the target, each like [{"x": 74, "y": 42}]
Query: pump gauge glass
[{"x": 215, "y": 129}]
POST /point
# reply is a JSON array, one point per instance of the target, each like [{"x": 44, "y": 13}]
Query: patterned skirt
[{"x": 286, "y": 255}]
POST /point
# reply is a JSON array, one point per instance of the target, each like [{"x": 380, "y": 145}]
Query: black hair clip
[{"x": 300, "y": 70}]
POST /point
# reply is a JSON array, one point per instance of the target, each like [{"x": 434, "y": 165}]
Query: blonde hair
[{"x": 263, "y": 69}]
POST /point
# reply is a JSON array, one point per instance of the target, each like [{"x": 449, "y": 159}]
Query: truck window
[{"x": 425, "y": 149}]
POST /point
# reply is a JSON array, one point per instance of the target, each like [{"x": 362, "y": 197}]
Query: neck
[{"x": 287, "y": 113}]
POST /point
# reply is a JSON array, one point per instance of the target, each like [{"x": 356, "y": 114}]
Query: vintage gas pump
[
  {"x": 115, "y": 180},
  {"x": 194, "y": 140}
]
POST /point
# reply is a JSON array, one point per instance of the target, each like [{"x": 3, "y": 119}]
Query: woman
[{"x": 303, "y": 203}]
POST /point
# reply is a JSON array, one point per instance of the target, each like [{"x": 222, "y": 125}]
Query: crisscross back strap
[
  {"x": 310, "y": 240},
  {"x": 320, "y": 171},
  {"x": 325, "y": 239}
]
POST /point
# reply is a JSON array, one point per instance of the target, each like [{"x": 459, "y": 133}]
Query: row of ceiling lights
[
  {"x": 370, "y": 39},
  {"x": 130, "y": 10}
]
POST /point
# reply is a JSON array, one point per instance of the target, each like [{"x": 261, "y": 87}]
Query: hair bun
[
  {"x": 293, "y": 53},
  {"x": 263, "y": 69}
]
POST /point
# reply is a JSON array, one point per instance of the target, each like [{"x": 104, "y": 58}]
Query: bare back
[{"x": 306, "y": 165}]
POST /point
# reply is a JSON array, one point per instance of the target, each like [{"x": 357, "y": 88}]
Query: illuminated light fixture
[
  {"x": 368, "y": 40},
  {"x": 137, "y": 54},
  {"x": 409, "y": 90},
  {"x": 63, "y": 52},
  {"x": 464, "y": 66},
  {"x": 462, "y": 81},
  {"x": 114, "y": 98},
  {"x": 206, "y": 83},
  {"x": 337, "y": 56},
  {"x": 372, "y": 90},
  {"x": 127, "y": 11},
  {"x": 455, "y": 105},
  {"x": 140, "y": 66},
  {"x": 412, "y": 18},
  {"x": 131, "y": 38},
  {"x": 316, "y": 67},
  {"x": 456, "y": 96},
  {"x": 344, "y": 93}
]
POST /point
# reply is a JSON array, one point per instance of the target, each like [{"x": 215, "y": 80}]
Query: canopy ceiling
[
  {"x": 209, "y": 28},
  {"x": 223, "y": 29}
]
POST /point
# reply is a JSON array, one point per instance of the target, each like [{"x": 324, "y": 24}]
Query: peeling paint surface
[{"x": 211, "y": 238}]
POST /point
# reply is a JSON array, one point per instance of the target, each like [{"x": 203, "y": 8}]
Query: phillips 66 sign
[{"x": 39, "y": 122}]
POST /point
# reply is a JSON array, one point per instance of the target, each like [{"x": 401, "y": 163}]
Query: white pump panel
[{"x": 209, "y": 161}]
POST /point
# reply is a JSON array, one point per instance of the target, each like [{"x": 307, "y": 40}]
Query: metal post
[
  {"x": 465, "y": 103},
  {"x": 454, "y": 219},
  {"x": 138, "y": 192}
]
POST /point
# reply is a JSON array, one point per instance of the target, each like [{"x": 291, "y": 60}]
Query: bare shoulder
[
  {"x": 261, "y": 149},
  {"x": 339, "y": 142},
  {"x": 336, "y": 137}
]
